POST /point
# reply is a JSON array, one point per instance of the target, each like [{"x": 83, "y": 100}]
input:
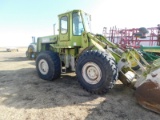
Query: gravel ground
[{"x": 24, "y": 96}]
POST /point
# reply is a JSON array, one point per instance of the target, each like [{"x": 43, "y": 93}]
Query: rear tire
[
  {"x": 27, "y": 54},
  {"x": 48, "y": 65},
  {"x": 96, "y": 72}
]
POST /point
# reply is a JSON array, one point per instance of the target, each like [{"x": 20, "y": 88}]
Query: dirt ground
[{"x": 24, "y": 96}]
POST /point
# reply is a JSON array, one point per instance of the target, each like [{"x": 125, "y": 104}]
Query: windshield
[
  {"x": 87, "y": 21},
  {"x": 78, "y": 27}
]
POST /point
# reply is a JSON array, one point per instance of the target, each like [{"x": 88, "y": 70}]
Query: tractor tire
[
  {"x": 27, "y": 54},
  {"x": 32, "y": 48},
  {"x": 48, "y": 65},
  {"x": 134, "y": 64},
  {"x": 96, "y": 72},
  {"x": 136, "y": 67}
]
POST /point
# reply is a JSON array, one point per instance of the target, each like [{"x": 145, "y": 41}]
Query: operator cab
[{"x": 72, "y": 25}]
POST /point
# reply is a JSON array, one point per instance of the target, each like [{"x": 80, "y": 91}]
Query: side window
[
  {"x": 77, "y": 24},
  {"x": 64, "y": 24}
]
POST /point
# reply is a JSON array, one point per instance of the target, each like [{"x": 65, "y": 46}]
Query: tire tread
[{"x": 107, "y": 61}]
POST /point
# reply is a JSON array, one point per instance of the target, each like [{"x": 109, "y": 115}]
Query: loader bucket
[{"x": 148, "y": 92}]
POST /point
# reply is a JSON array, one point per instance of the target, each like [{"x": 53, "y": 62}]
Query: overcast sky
[{"x": 22, "y": 19}]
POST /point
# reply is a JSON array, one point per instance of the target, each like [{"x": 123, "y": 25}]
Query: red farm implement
[{"x": 134, "y": 37}]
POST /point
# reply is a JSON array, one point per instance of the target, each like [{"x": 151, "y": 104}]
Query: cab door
[
  {"x": 77, "y": 29},
  {"x": 64, "y": 27}
]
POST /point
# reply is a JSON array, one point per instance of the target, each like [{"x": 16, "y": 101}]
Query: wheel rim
[
  {"x": 132, "y": 60},
  {"x": 91, "y": 73},
  {"x": 43, "y": 66}
]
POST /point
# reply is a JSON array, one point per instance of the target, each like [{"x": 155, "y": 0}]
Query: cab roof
[{"x": 69, "y": 12}]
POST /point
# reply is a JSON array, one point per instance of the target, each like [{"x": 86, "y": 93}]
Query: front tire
[
  {"x": 96, "y": 72},
  {"x": 132, "y": 61},
  {"x": 48, "y": 65}
]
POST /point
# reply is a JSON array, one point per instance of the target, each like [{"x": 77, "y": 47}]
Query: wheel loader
[
  {"x": 98, "y": 63},
  {"x": 32, "y": 49}
]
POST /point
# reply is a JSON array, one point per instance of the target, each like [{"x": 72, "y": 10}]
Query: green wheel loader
[{"x": 98, "y": 63}]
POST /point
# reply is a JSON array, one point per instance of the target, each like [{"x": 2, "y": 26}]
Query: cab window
[
  {"x": 64, "y": 24},
  {"x": 77, "y": 24}
]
